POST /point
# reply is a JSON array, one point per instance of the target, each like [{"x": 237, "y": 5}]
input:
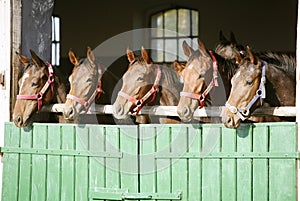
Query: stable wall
[{"x": 264, "y": 25}]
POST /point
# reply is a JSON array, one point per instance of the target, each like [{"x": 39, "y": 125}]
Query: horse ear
[
  {"x": 130, "y": 55},
  {"x": 188, "y": 51},
  {"x": 73, "y": 58},
  {"x": 178, "y": 67},
  {"x": 90, "y": 55},
  {"x": 232, "y": 38},
  {"x": 145, "y": 56},
  {"x": 202, "y": 47},
  {"x": 251, "y": 56},
  {"x": 24, "y": 60},
  {"x": 238, "y": 58},
  {"x": 222, "y": 37},
  {"x": 36, "y": 60}
]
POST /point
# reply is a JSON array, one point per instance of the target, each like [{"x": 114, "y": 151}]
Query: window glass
[{"x": 172, "y": 28}]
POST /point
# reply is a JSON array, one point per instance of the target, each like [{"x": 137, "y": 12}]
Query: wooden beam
[{"x": 172, "y": 110}]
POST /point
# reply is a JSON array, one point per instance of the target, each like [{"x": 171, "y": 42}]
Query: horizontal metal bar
[
  {"x": 230, "y": 155},
  {"x": 172, "y": 110},
  {"x": 61, "y": 152},
  {"x": 134, "y": 196}
]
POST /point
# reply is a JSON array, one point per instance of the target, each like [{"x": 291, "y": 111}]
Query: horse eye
[
  {"x": 249, "y": 82},
  {"x": 201, "y": 75},
  {"x": 34, "y": 84},
  {"x": 89, "y": 80},
  {"x": 140, "y": 79}
]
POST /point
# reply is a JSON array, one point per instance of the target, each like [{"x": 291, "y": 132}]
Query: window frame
[
  {"x": 55, "y": 41},
  {"x": 191, "y": 37}
]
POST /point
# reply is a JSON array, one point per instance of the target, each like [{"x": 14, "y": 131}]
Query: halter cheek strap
[
  {"x": 87, "y": 104},
  {"x": 213, "y": 83},
  {"x": 141, "y": 102},
  {"x": 39, "y": 96},
  {"x": 243, "y": 113}
]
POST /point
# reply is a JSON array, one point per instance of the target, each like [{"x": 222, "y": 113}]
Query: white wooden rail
[{"x": 172, "y": 110}]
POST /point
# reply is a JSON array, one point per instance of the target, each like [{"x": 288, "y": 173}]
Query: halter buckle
[{"x": 246, "y": 112}]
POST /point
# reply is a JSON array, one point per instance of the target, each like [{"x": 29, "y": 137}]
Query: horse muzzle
[{"x": 21, "y": 121}]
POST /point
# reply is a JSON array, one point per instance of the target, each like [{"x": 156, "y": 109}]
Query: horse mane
[
  {"x": 282, "y": 61},
  {"x": 228, "y": 65},
  {"x": 171, "y": 77}
]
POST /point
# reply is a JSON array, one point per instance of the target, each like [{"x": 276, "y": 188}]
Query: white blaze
[{"x": 25, "y": 76}]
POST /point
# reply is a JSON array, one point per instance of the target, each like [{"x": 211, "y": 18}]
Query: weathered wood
[
  {"x": 15, "y": 47},
  {"x": 172, "y": 110}
]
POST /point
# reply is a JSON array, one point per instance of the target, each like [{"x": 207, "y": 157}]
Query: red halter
[
  {"x": 213, "y": 83},
  {"x": 39, "y": 96},
  {"x": 141, "y": 102},
  {"x": 87, "y": 104}
]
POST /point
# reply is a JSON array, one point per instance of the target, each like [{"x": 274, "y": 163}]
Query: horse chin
[
  {"x": 186, "y": 119},
  {"x": 234, "y": 123},
  {"x": 121, "y": 117}
]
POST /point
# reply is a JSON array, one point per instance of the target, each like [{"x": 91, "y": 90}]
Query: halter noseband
[
  {"x": 213, "y": 83},
  {"x": 243, "y": 113},
  {"x": 141, "y": 102},
  {"x": 39, "y": 96},
  {"x": 87, "y": 104}
]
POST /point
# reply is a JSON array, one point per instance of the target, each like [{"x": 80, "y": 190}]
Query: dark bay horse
[
  {"x": 201, "y": 76},
  {"x": 228, "y": 48},
  {"x": 40, "y": 84},
  {"x": 268, "y": 77},
  {"x": 146, "y": 83}
]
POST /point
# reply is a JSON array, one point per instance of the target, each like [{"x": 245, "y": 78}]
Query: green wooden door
[
  {"x": 210, "y": 162},
  {"x": 150, "y": 162},
  {"x": 68, "y": 162}
]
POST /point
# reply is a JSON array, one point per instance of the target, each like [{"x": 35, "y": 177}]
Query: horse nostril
[
  {"x": 229, "y": 120},
  {"x": 69, "y": 113},
  {"x": 186, "y": 111},
  {"x": 18, "y": 120}
]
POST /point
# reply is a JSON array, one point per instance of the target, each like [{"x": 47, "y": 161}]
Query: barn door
[
  {"x": 210, "y": 162},
  {"x": 150, "y": 162},
  {"x": 69, "y": 162}
]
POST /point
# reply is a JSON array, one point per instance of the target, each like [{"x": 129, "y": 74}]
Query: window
[
  {"x": 55, "y": 56},
  {"x": 172, "y": 27}
]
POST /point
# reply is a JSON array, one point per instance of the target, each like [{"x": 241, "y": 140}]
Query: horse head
[
  {"x": 194, "y": 76},
  {"x": 85, "y": 85},
  {"x": 140, "y": 84},
  {"x": 228, "y": 48},
  {"x": 247, "y": 89},
  {"x": 36, "y": 88}
]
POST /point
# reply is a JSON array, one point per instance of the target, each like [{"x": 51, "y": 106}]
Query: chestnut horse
[
  {"x": 146, "y": 83},
  {"x": 86, "y": 88},
  {"x": 269, "y": 77},
  {"x": 40, "y": 84},
  {"x": 85, "y": 85},
  {"x": 201, "y": 68}
]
